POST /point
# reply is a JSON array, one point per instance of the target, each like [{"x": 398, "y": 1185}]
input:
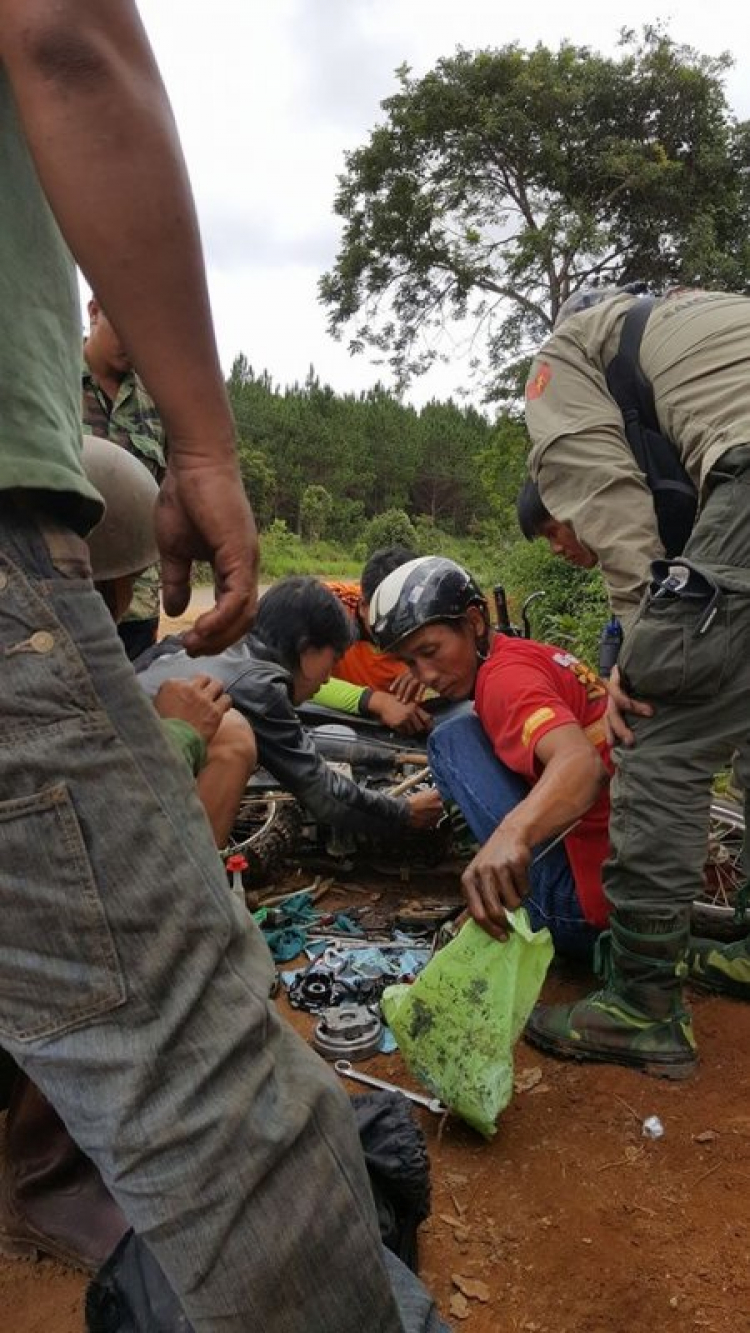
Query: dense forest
[
  {"x": 332, "y": 477},
  {"x": 325, "y": 464}
]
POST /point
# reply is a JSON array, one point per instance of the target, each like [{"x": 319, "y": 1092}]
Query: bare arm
[
  {"x": 497, "y": 878},
  {"x": 232, "y": 758},
  {"x": 103, "y": 138}
]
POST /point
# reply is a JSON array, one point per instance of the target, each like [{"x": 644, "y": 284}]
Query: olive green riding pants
[{"x": 689, "y": 655}]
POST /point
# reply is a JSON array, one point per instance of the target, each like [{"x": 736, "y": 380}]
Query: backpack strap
[
  {"x": 641, "y": 389},
  {"x": 675, "y": 496}
]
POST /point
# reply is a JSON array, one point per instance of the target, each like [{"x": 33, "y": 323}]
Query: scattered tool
[
  {"x": 346, "y": 1070},
  {"x": 409, "y": 782}
]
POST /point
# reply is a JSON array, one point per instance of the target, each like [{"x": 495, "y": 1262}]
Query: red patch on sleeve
[{"x": 538, "y": 383}]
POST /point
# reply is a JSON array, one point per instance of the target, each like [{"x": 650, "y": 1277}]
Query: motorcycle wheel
[
  {"x": 267, "y": 830},
  {"x": 713, "y": 912}
]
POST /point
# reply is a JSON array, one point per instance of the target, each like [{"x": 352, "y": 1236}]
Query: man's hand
[
  {"x": 425, "y": 809},
  {"x": 203, "y": 514},
  {"x": 200, "y": 701},
  {"x": 496, "y": 880},
  {"x": 618, "y": 704},
  {"x": 406, "y": 718},
  {"x": 407, "y": 688}
]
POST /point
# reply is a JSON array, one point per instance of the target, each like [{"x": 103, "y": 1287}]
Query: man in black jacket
[{"x": 300, "y": 632}]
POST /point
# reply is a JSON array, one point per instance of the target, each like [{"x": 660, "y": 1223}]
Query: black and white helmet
[{"x": 421, "y": 591}]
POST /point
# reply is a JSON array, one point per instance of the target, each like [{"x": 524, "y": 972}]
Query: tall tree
[{"x": 504, "y": 180}]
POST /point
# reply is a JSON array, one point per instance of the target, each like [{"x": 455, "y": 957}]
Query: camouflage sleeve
[
  {"x": 95, "y": 417},
  {"x": 187, "y": 742}
]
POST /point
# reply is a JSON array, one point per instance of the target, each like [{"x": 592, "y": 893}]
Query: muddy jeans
[
  {"x": 134, "y": 991},
  {"x": 699, "y": 683}
]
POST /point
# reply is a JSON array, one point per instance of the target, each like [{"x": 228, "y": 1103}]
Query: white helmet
[{"x": 124, "y": 542}]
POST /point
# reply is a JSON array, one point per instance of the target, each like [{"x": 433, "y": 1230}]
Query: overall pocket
[
  {"x": 665, "y": 657},
  {"x": 58, "y": 964}
]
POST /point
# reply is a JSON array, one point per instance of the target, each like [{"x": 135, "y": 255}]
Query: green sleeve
[
  {"x": 340, "y": 694},
  {"x": 187, "y": 742}
]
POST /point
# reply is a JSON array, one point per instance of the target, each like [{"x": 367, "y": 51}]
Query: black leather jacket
[{"x": 261, "y": 689}]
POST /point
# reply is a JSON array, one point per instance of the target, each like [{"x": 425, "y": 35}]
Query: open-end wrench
[{"x": 346, "y": 1069}]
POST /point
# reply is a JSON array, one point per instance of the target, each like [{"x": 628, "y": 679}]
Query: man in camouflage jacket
[{"x": 116, "y": 406}]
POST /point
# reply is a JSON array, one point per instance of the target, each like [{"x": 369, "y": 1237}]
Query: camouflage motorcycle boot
[
  {"x": 721, "y": 968},
  {"x": 638, "y": 1018}
]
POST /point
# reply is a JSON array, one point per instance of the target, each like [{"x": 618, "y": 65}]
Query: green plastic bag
[{"x": 456, "y": 1026}]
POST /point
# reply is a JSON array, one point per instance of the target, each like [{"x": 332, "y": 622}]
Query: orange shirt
[{"x": 363, "y": 663}]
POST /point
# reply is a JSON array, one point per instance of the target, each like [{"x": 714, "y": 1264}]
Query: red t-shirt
[{"x": 525, "y": 690}]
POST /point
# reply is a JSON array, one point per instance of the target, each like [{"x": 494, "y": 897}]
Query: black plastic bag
[
  {"x": 130, "y": 1293},
  {"x": 399, "y": 1169}
]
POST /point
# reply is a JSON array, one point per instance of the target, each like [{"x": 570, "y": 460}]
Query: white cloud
[{"x": 268, "y": 98}]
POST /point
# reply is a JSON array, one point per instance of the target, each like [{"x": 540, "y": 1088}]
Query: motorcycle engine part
[
  {"x": 340, "y": 843},
  {"x": 367, "y": 990},
  {"x": 342, "y": 742},
  {"x": 334, "y": 960},
  {"x": 447, "y": 932},
  {"x": 313, "y": 991},
  {"x": 350, "y": 1030}
]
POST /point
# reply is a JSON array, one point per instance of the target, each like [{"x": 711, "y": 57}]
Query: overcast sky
[{"x": 269, "y": 96}]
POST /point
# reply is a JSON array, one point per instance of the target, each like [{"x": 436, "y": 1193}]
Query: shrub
[
  {"x": 574, "y": 608},
  {"x": 315, "y": 509},
  {"x": 393, "y": 528}
]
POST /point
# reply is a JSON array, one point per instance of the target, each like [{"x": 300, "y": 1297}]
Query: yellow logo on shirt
[
  {"x": 534, "y": 721},
  {"x": 592, "y": 684},
  {"x": 596, "y": 732}
]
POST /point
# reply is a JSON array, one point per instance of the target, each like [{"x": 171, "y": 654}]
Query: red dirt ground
[{"x": 569, "y": 1218}]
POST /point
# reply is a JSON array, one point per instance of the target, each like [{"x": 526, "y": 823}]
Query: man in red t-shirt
[
  {"x": 526, "y": 691},
  {"x": 529, "y": 768}
]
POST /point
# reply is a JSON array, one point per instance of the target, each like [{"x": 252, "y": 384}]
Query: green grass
[{"x": 572, "y": 612}]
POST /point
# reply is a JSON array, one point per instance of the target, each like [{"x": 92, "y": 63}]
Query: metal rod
[
  {"x": 413, "y": 781},
  {"x": 554, "y": 842}
]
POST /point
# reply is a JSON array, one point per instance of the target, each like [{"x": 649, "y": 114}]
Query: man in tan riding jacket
[{"x": 686, "y": 644}]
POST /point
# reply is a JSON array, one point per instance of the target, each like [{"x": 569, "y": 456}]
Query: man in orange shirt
[{"x": 383, "y": 688}]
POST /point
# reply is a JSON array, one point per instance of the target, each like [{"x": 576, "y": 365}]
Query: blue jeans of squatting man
[
  {"x": 467, "y": 771},
  {"x": 134, "y": 990}
]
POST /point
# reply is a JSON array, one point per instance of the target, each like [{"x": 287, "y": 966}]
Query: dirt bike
[{"x": 272, "y": 828}]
